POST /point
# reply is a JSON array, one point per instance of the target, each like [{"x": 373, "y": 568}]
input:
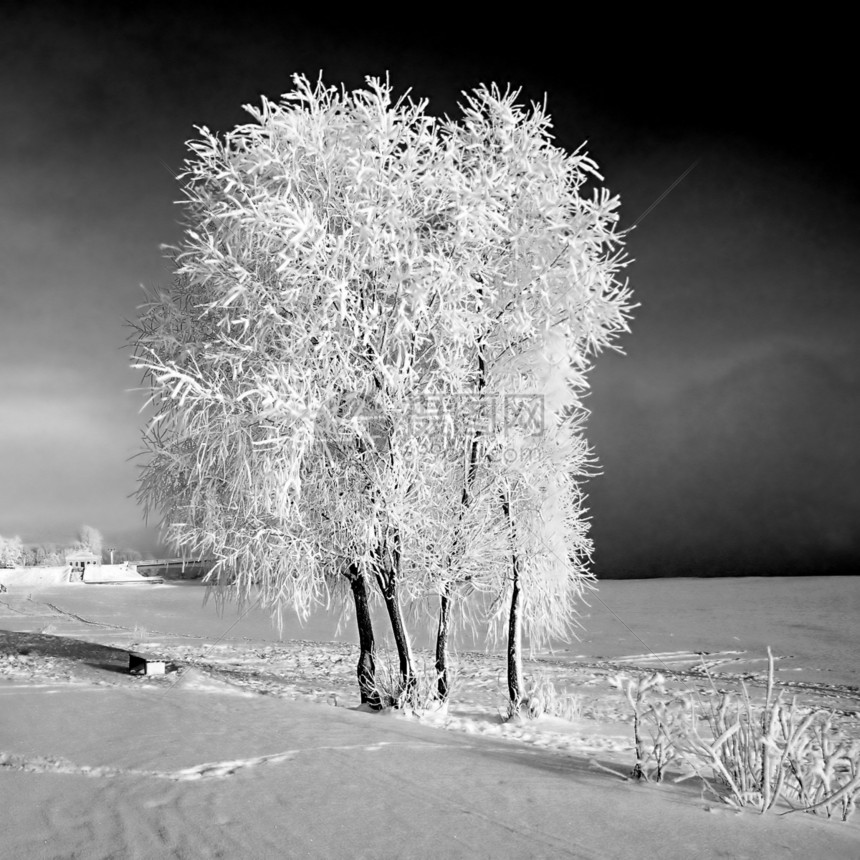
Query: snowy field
[{"x": 253, "y": 746}]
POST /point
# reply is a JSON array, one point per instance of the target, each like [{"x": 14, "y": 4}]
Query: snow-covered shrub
[
  {"x": 759, "y": 755},
  {"x": 543, "y": 697},
  {"x": 659, "y": 720}
]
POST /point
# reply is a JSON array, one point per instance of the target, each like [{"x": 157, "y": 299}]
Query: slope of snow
[
  {"x": 255, "y": 748},
  {"x": 169, "y": 772}
]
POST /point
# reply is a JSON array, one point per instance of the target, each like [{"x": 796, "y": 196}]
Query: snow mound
[
  {"x": 194, "y": 679},
  {"x": 35, "y": 576},
  {"x": 113, "y": 573}
]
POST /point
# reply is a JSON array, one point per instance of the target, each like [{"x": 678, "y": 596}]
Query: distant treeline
[{"x": 15, "y": 553}]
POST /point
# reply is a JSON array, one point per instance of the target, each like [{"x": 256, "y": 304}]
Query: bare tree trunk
[
  {"x": 516, "y": 686},
  {"x": 443, "y": 685},
  {"x": 443, "y": 682},
  {"x": 391, "y": 596},
  {"x": 389, "y": 581},
  {"x": 366, "y": 669}
]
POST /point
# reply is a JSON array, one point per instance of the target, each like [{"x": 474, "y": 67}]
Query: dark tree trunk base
[
  {"x": 366, "y": 669},
  {"x": 516, "y": 687},
  {"x": 443, "y": 686},
  {"x": 408, "y": 685}
]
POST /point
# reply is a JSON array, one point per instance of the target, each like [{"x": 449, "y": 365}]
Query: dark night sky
[{"x": 727, "y": 433}]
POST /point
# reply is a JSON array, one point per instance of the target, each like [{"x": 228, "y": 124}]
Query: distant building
[{"x": 80, "y": 561}]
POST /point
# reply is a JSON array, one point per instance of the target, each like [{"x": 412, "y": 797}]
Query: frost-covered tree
[
  {"x": 346, "y": 259},
  {"x": 11, "y": 551},
  {"x": 55, "y": 556},
  {"x": 303, "y": 286},
  {"x": 539, "y": 294},
  {"x": 90, "y": 538}
]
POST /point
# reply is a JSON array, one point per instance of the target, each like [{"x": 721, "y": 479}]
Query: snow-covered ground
[{"x": 253, "y": 747}]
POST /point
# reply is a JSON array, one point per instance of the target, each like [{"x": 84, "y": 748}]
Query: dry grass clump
[
  {"x": 757, "y": 755},
  {"x": 543, "y": 697},
  {"x": 419, "y": 696}
]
